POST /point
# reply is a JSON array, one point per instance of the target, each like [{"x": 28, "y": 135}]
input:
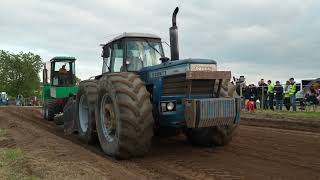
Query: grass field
[
  {"x": 13, "y": 163},
  {"x": 2, "y": 132},
  {"x": 283, "y": 114}
]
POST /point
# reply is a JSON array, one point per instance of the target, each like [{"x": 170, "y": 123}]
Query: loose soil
[{"x": 255, "y": 153}]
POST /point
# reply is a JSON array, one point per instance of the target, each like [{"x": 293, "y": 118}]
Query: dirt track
[{"x": 256, "y": 153}]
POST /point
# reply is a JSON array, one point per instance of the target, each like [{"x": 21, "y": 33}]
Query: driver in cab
[
  {"x": 134, "y": 61},
  {"x": 63, "y": 75}
]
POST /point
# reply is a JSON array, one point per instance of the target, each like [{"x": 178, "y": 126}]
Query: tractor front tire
[
  {"x": 124, "y": 116},
  {"x": 86, "y": 103},
  {"x": 51, "y": 109},
  {"x": 218, "y": 135}
]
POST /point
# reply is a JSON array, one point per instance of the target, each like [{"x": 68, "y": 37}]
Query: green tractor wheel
[
  {"x": 124, "y": 116},
  {"x": 50, "y": 108},
  {"x": 218, "y": 135}
]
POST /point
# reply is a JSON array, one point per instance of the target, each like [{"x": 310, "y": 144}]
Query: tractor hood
[
  {"x": 173, "y": 67},
  {"x": 176, "y": 63}
]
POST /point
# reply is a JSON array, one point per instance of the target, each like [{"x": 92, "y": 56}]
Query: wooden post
[{"x": 262, "y": 97}]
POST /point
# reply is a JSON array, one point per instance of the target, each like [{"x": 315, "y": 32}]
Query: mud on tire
[
  {"x": 86, "y": 103},
  {"x": 125, "y": 123},
  {"x": 218, "y": 135}
]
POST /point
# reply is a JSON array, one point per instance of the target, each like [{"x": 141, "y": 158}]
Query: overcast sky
[{"x": 268, "y": 39}]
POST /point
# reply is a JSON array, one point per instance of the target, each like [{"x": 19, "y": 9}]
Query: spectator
[
  {"x": 318, "y": 95},
  {"x": 262, "y": 93},
  {"x": 270, "y": 94},
  {"x": 286, "y": 100},
  {"x": 253, "y": 95},
  {"x": 246, "y": 95},
  {"x": 250, "y": 95},
  {"x": 312, "y": 99},
  {"x": 292, "y": 93},
  {"x": 278, "y": 89}
]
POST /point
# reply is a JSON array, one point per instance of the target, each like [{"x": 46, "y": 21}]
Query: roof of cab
[
  {"x": 63, "y": 58},
  {"x": 133, "y": 35}
]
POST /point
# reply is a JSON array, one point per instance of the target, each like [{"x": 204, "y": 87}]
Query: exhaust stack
[
  {"x": 45, "y": 74},
  {"x": 174, "y": 47}
]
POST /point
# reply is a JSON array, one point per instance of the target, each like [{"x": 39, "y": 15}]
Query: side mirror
[
  {"x": 106, "y": 51},
  {"x": 164, "y": 59}
]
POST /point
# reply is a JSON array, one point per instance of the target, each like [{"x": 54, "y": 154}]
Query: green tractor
[{"x": 62, "y": 84}]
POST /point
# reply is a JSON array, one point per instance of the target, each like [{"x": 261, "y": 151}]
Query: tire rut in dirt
[
  {"x": 129, "y": 109},
  {"x": 257, "y": 153},
  {"x": 7, "y": 142},
  {"x": 187, "y": 169},
  {"x": 34, "y": 118}
]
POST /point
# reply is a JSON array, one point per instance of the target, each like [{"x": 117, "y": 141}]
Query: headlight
[
  {"x": 166, "y": 106},
  {"x": 170, "y": 106}
]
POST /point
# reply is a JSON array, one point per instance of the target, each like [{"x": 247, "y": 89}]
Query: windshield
[
  {"x": 142, "y": 53},
  {"x": 63, "y": 73}
]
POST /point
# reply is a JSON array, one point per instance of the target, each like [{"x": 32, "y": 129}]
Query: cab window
[{"x": 117, "y": 57}]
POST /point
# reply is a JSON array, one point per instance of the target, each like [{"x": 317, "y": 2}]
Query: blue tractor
[{"x": 142, "y": 93}]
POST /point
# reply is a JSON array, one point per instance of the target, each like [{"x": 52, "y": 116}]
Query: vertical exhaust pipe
[
  {"x": 174, "y": 48},
  {"x": 45, "y": 74}
]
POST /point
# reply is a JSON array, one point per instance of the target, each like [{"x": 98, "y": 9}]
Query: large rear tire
[
  {"x": 218, "y": 135},
  {"x": 124, "y": 116},
  {"x": 86, "y": 103},
  {"x": 51, "y": 109}
]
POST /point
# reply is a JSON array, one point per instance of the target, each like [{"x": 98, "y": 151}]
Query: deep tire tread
[
  {"x": 88, "y": 88},
  {"x": 136, "y": 128},
  {"x": 51, "y": 109}
]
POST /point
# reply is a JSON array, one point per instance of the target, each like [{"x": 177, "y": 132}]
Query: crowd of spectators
[{"x": 275, "y": 96}]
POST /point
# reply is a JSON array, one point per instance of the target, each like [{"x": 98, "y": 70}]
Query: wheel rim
[
  {"x": 83, "y": 113},
  {"x": 108, "y": 118}
]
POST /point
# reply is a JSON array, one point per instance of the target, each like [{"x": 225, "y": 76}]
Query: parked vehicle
[
  {"x": 20, "y": 100},
  {"x": 4, "y": 100}
]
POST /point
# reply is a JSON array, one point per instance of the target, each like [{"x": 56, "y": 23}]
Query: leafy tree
[{"x": 19, "y": 73}]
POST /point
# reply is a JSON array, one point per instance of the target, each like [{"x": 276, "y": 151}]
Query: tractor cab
[
  {"x": 130, "y": 52},
  {"x": 62, "y": 71}
]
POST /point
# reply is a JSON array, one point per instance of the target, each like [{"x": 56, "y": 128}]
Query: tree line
[{"x": 19, "y": 73}]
